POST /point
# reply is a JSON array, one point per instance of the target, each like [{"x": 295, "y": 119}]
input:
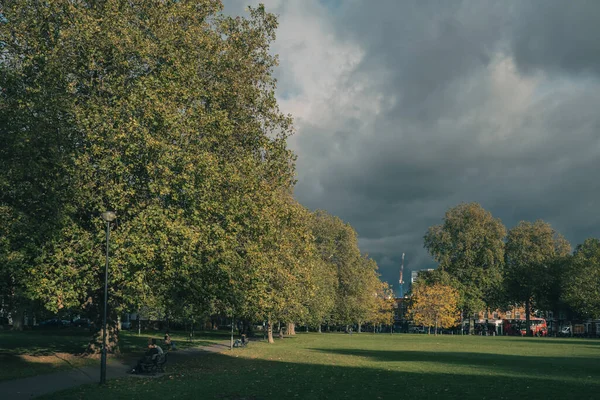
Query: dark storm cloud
[
  {"x": 406, "y": 108},
  {"x": 558, "y": 36},
  {"x": 480, "y": 108}
]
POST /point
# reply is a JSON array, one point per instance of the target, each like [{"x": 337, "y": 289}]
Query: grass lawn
[
  {"x": 382, "y": 366},
  {"x": 133, "y": 344},
  {"x": 36, "y": 352}
]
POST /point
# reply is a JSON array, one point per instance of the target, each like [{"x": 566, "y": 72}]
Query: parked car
[{"x": 126, "y": 325}]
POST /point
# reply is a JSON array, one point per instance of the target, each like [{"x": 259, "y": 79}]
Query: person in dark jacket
[{"x": 151, "y": 354}]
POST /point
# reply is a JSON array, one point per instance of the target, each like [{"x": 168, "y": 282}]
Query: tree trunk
[
  {"x": 270, "y": 331},
  {"x": 359, "y": 330},
  {"x": 527, "y": 319},
  {"x": 436, "y": 326},
  {"x": 112, "y": 340},
  {"x": 17, "y": 319},
  {"x": 291, "y": 329},
  {"x": 320, "y": 328},
  {"x": 462, "y": 320}
]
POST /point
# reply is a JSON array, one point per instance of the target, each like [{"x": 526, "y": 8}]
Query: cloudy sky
[{"x": 406, "y": 108}]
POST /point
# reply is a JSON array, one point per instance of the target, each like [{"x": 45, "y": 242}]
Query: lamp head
[{"x": 109, "y": 216}]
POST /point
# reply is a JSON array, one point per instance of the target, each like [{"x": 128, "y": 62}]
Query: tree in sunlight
[{"x": 434, "y": 305}]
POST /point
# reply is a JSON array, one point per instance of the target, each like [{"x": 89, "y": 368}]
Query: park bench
[{"x": 157, "y": 364}]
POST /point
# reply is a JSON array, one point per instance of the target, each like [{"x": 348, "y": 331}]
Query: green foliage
[
  {"x": 278, "y": 273},
  {"x": 538, "y": 270},
  {"x": 357, "y": 285},
  {"x": 582, "y": 280},
  {"x": 532, "y": 252},
  {"x": 469, "y": 247},
  {"x": 164, "y": 112},
  {"x": 319, "y": 307}
]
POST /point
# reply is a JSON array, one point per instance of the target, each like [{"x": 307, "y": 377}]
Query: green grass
[
  {"x": 133, "y": 344},
  {"x": 37, "y": 352},
  {"x": 313, "y": 366}
]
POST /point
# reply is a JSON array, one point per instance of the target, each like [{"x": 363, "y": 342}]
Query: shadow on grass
[
  {"x": 548, "y": 366},
  {"x": 16, "y": 366},
  {"x": 42, "y": 351},
  {"x": 44, "y": 342},
  {"x": 219, "y": 376}
]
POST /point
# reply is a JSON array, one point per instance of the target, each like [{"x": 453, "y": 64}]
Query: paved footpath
[{"x": 29, "y": 388}]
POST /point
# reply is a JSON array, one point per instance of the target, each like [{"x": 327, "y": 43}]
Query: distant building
[{"x": 413, "y": 276}]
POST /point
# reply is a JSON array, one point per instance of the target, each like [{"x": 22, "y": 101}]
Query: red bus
[{"x": 518, "y": 327}]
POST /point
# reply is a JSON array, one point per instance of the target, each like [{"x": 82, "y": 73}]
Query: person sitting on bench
[
  {"x": 151, "y": 355},
  {"x": 169, "y": 342}
]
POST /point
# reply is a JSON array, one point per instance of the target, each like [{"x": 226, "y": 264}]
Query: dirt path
[{"x": 28, "y": 388}]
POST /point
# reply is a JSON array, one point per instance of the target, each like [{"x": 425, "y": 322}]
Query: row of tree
[
  {"x": 165, "y": 113},
  {"x": 492, "y": 268}
]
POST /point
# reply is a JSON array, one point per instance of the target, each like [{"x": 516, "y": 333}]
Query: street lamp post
[
  {"x": 231, "y": 341},
  {"x": 108, "y": 217}
]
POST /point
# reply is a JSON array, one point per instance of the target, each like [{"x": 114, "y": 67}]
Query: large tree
[
  {"x": 532, "y": 249},
  {"x": 582, "y": 280},
  {"x": 277, "y": 280},
  {"x": 469, "y": 247},
  {"x": 161, "y": 111},
  {"x": 357, "y": 280},
  {"x": 320, "y": 306}
]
